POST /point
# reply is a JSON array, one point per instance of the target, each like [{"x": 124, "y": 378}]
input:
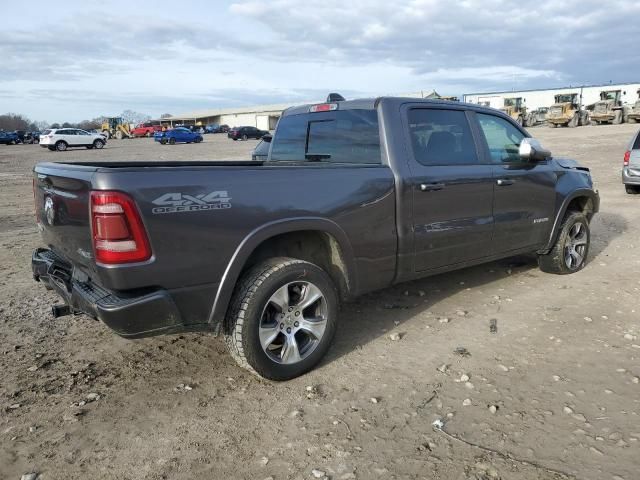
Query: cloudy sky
[{"x": 72, "y": 60}]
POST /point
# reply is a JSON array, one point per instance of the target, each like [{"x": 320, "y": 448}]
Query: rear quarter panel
[{"x": 195, "y": 247}]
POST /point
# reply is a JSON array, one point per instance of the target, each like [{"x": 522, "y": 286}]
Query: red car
[{"x": 146, "y": 130}]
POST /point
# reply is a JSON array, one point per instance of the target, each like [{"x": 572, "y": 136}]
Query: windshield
[
  {"x": 567, "y": 98},
  {"x": 609, "y": 95}
]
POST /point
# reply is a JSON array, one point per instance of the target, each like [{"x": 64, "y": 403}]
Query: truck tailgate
[{"x": 62, "y": 194}]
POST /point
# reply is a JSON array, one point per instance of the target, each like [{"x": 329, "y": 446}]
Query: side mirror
[{"x": 532, "y": 151}]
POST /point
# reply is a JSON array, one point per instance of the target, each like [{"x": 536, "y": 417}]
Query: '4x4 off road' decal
[{"x": 182, "y": 202}]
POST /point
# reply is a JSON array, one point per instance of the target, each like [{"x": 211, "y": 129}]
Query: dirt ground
[{"x": 552, "y": 394}]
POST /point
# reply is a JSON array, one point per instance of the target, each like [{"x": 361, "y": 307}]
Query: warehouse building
[
  {"x": 533, "y": 99},
  {"x": 263, "y": 117}
]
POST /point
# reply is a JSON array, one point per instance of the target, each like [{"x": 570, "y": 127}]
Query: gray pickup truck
[{"x": 354, "y": 196}]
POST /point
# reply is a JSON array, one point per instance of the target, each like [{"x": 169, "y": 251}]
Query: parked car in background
[
  {"x": 215, "y": 128},
  {"x": 9, "y": 138},
  {"x": 146, "y": 129},
  {"x": 631, "y": 166},
  {"x": 20, "y": 134},
  {"x": 177, "y": 135},
  {"x": 245, "y": 133},
  {"x": 31, "y": 137},
  {"x": 261, "y": 152},
  {"x": 61, "y": 139}
]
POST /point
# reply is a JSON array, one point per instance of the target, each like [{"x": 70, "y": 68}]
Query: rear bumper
[
  {"x": 631, "y": 176},
  {"x": 602, "y": 117},
  {"x": 131, "y": 315}
]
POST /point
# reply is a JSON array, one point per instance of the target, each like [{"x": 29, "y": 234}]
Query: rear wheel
[
  {"x": 245, "y": 137},
  {"x": 282, "y": 318},
  {"x": 61, "y": 146},
  {"x": 198, "y": 139},
  {"x": 632, "y": 189},
  {"x": 163, "y": 141},
  {"x": 573, "y": 123},
  {"x": 569, "y": 253},
  {"x": 172, "y": 141},
  {"x": 617, "y": 119}
]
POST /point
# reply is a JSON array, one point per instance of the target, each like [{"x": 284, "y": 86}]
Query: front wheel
[
  {"x": 163, "y": 141},
  {"x": 98, "y": 144},
  {"x": 632, "y": 189},
  {"x": 245, "y": 137},
  {"x": 282, "y": 318},
  {"x": 569, "y": 253},
  {"x": 172, "y": 141}
]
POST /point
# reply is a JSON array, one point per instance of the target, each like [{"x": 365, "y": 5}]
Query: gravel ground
[{"x": 552, "y": 394}]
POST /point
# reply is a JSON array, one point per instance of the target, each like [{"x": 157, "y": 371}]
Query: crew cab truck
[{"x": 354, "y": 196}]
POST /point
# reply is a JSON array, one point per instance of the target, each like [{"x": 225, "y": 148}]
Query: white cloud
[{"x": 272, "y": 50}]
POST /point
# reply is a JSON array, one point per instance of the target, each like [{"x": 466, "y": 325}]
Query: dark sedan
[{"x": 245, "y": 133}]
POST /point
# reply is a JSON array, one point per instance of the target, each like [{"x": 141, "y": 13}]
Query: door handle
[
  {"x": 504, "y": 182},
  {"x": 431, "y": 187}
]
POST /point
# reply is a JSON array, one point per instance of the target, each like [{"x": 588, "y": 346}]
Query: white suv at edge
[{"x": 62, "y": 138}]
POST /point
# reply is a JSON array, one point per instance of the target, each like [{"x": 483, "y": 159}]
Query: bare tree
[
  {"x": 129, "y": 116},
  {"x": 14, "y": 121}
]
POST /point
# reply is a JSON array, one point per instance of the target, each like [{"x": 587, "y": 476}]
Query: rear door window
[
  {"x": 342, "y": 136},
  {"x": 441, "y": 137},
  {"x": 636, "y": 143}
]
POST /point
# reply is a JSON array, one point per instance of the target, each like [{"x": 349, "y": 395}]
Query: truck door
[
  {"x": 524, "y": 200},
  {"x": 452, "y": 189}
]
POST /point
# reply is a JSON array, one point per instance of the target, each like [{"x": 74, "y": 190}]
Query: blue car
[
  {"x": 9, "y": 138},
  {"x": 177, "y": 135}
]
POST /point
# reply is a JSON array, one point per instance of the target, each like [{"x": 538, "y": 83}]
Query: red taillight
[
  {"x": 627, "y": 156},
  {"x": 118, "y": 233},
  {"x": 323, "y": 107}
]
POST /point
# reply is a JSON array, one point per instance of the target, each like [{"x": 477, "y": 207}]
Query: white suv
[{"x": 62, "y": 138}]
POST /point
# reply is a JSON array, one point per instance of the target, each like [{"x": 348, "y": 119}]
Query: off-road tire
[
  {"x": 252, "y": 292},
  {"x": 632, "y": 189},
  {"x": 575, "y": 120},
  {"x": 617, "y": 119},
  {"x": 554, "y": 261}
]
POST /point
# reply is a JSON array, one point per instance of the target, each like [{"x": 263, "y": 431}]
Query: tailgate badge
[{"x": 49, "y": 211}]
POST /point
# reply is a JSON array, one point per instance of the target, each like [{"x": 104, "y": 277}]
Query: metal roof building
[
  {"x": 263, "y": 117},
  {"x": 544, "y": 97}
]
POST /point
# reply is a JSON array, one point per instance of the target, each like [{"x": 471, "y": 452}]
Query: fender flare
[
  {"x": 256, "y": 237},
  {"x": 582, "y": 192}
]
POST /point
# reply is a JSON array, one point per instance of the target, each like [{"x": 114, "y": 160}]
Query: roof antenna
[{"x": 335, "y": 97}]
